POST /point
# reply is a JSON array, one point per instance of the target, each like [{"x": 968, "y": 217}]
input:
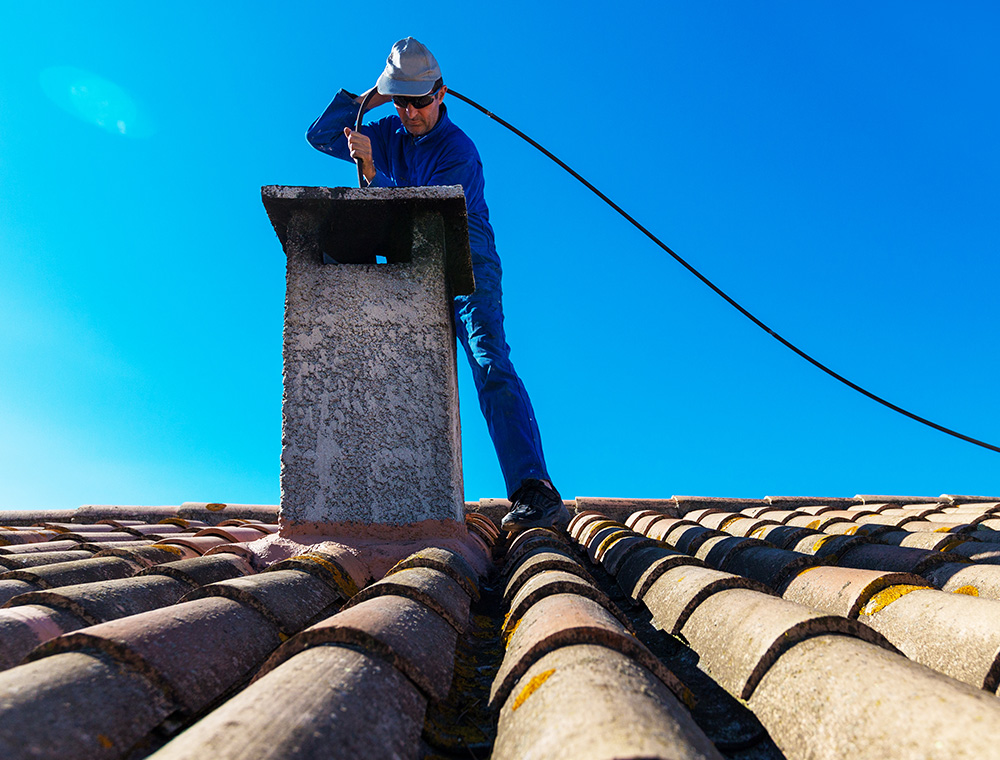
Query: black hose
[
  {"x": 357, "y": 128},
  {"x": 720, "y": 292}
]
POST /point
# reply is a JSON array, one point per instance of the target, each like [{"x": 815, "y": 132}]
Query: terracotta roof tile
[
  {"x": 48, "y": 708},
  {"x": 816, "y": 509},
  {"x": 978, "y": 552},
  {"x": 543, "y": 559},
  {"x": 326, "y": 701},
  {"x": 232, "y": 534},
  {"x": 768, "y": 565},
  {"x": 101, "y": 601},
  {"x": 660, "y": 529},
  {"x": 644, "y": 567},
  {"x": 677, "y": 593},
  {"x": 19, "y": 561},
  {"x": 591, "y": 689},
  {"x": 641, "y": 514},
  {"x": 149, "y": 555},
  {"x": 737, "y": 635},
  {"x": 409, "y": 635},
  {"x": 832, "y": 697},
  {"x": 11, "y": 588},
  {"x": 25, "y": 627},
  {"x": 448, "y": 562},
  {"x": 548, "y": 584},
  {"x": 974, "y": 579},
  {"x": 601, "y": 540},
  {"x": 719, "y": 520},
  {"x": 98, "y": 537},
  {"x": 42, "y": 546},
  {"x": 16, "y": 537},
  {"x": 187, "y": 649},
  {"x": 778, "y": 515},
  {"x": 740, "y": 633},
  {"x": 620, "y": 509},
  {"x": 426, "y": 585},
  {"x": 26, "y": 517},
  {"x": 562, "y": 620},
  {"x": 200, "y": 544},
  {"x": 697, "y": 515},
  {"x": 784, "y": 536},
  {"x": 334, "y": 568},
  {"x": 530, "y": 540},
  {"x": 620, "y": 549},
  {"x": 76, "y": 571},
  {"x": 842, "y": 590},
  {"x": 644, "y": 521},
  {"x": 715, "y": 550},
  {"x": 289, "y": 599},
  {"x": 897, "y": 500},
  {"x": 796, "y": 502},
  {"x": 687, "y": 504},
  {"x": 687, "y": 538},
  {"x": 825, "y": 545},
  {"x": 200, "y": 571},
  {"x": 580, "y": 519},
  {"x": 954, "y": 634},
  {"x": 922, "y": 540},
  {"x": 746, "y": 526},
  {"x": 898, "y": 559}
]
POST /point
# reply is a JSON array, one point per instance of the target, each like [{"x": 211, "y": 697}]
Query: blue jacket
[{"x": 443, "y": 156}]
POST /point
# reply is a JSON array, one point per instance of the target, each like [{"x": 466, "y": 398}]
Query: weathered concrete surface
[{"x": 370, "y": 424}]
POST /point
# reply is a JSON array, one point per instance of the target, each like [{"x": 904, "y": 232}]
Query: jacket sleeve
[{"x": 327, "y": 135}]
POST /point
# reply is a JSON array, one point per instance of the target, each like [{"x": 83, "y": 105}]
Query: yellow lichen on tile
[
  {"x": 344, "y": 582},
  {"x": 821, "y": 541},
  {"x": 967, "y": 590},
  {"x": 887, "y": 596},
  {"x": 215, "y": 507},
  {"x": 606, "y": 543},
  {"x": 104, "y": 741},
  {"x": 531, "y": 687},
  {"x": 508, "y": 634}
]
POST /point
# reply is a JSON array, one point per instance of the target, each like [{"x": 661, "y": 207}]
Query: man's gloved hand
[{"x": 361, "y": 149}]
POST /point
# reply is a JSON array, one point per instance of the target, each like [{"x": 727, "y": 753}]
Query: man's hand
[{"x": 361, "y": 150}]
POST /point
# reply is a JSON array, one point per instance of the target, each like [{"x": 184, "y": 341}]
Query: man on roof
[{"x": 419, "y": 146}]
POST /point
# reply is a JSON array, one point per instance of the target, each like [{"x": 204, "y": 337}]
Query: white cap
[{"x": 411, "y": 70}]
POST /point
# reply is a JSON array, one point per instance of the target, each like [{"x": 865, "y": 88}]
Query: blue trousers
[{"x": 502, "y": 397}]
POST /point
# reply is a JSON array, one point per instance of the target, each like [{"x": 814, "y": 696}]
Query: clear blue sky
[{"x": 834, "y": 166}]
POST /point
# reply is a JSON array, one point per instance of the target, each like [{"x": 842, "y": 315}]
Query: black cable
[
  {"x": 720, "y": 292},
  {"x": 357, "y": 128}
]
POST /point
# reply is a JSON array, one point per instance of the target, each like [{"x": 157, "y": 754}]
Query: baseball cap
[{"x": 411, "y": 70}]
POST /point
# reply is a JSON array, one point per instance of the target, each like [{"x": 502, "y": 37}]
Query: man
[{"x": 420, "y": 146}]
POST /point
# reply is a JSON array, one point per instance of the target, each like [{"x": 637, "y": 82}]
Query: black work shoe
[{"x": 535, "y": 505}]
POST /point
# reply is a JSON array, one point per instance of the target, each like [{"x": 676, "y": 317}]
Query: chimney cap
[{"x": 395, "y": 204}]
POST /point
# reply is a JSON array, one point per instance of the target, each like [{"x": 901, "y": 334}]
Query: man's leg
[{"x": 505, "y": 405}]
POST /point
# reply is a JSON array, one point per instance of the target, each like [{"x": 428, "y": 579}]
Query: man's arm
[{"x": 337, "y": 122}]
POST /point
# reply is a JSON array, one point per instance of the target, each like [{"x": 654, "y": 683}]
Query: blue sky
[{"x": 833, "y": 166}]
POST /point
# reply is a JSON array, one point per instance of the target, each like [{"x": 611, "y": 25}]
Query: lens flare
[{"x": 94, "y": 100}]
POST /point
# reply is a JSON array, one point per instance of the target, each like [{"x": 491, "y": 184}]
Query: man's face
[{"x": 420, "y": 121}]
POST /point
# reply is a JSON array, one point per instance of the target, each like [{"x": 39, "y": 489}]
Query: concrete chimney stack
[{"x": 371, "y": 438}]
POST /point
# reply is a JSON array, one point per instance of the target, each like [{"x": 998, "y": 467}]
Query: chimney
[{"x": 371, "y": 438}]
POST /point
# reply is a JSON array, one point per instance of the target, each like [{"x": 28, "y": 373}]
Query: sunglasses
[{"x": 419, "y": 102}]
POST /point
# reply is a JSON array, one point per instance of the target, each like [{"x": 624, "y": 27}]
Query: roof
[{"x": 686, "y": 627}]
